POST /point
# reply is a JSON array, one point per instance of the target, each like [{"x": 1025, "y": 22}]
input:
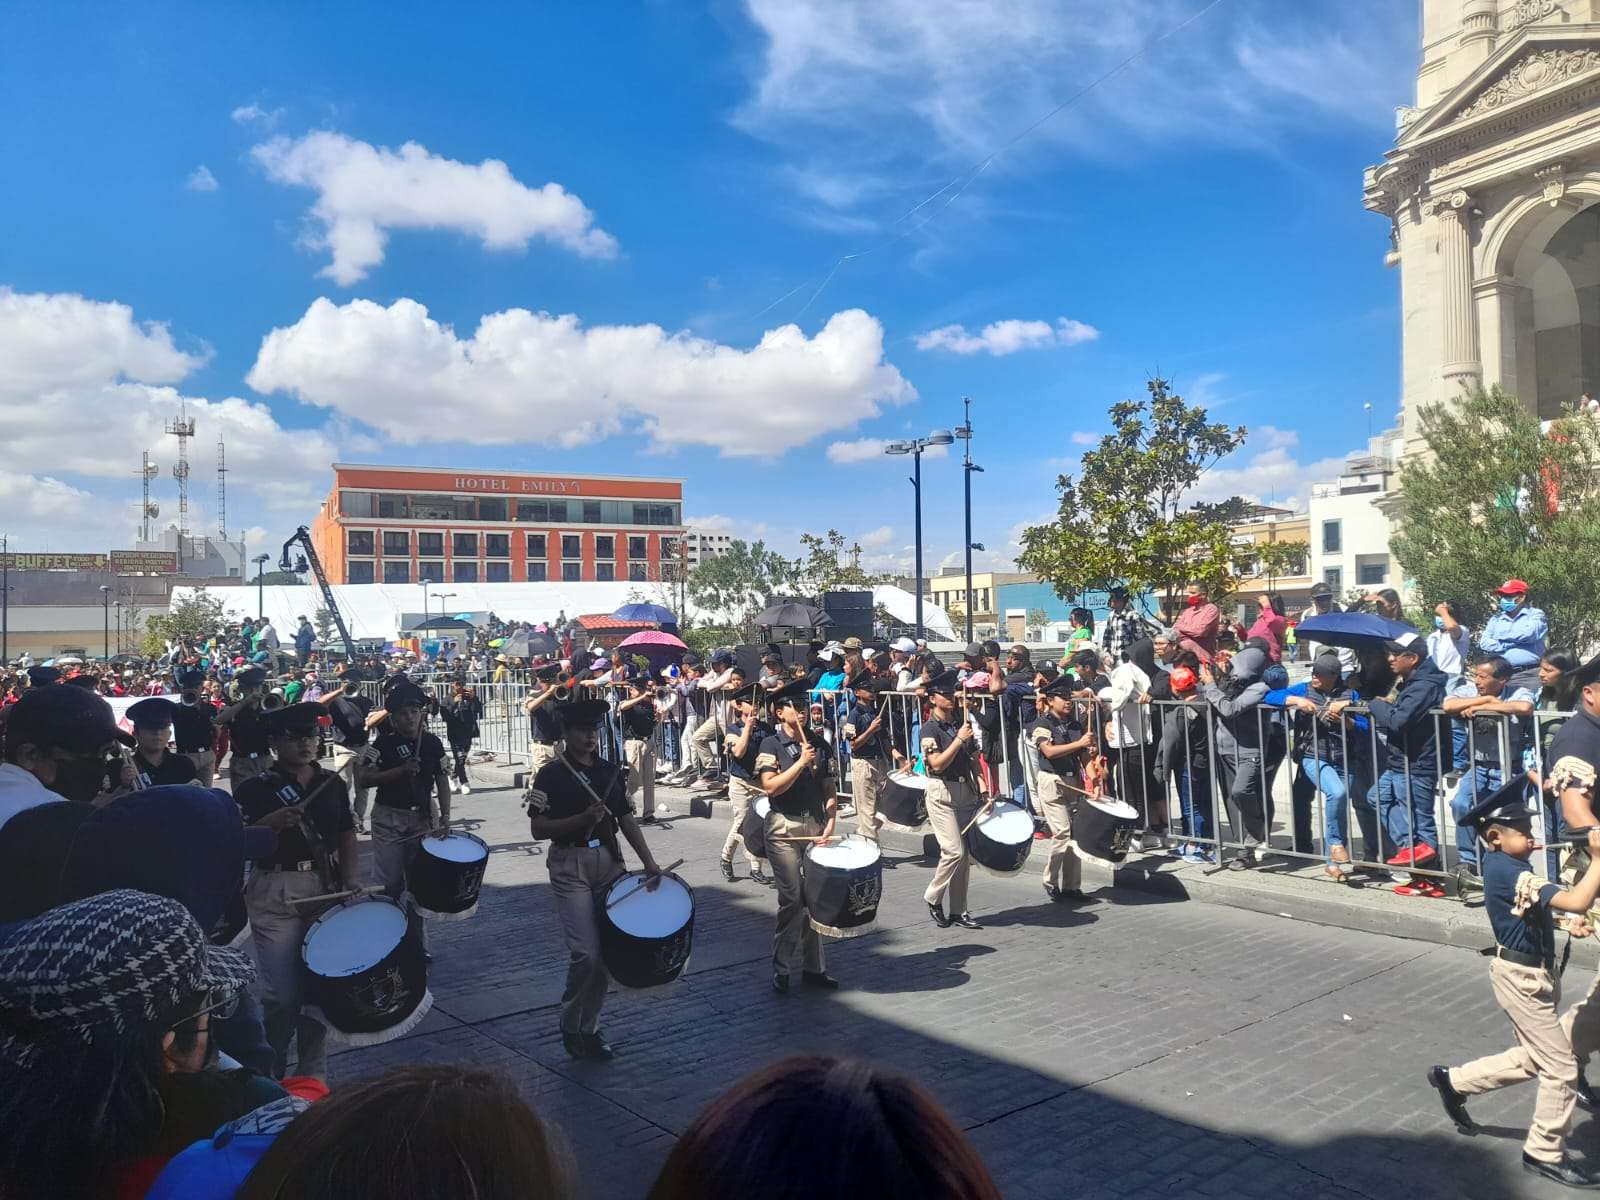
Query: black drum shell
[
  {"x": 842, "y": 901},
  {"x": 641, "y": 962},
  {"x": 380, "y": 998},
  {"x": 443, "y": 887},
  {"x": 1100, "y": 833},
  {"x": 906, "y": 807}
]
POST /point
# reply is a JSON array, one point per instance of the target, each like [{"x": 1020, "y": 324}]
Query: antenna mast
[
  {"x": 147, "y": 471},
  {"x": 222, "y": 492},
  {"x": 182, "y": 428}
]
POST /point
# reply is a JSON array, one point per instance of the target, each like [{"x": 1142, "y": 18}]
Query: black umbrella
[
  {"x": 528, "y": 644},
  {"x": 444, "y": 623},
  {"x": 794, "y": 616}
]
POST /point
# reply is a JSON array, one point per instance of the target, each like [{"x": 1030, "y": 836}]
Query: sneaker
[
  {"x": 463, "y": 789},
  {"x": 1421, "y": 853},
  {"x": 1238, "y": 864},
  {"x": 1401, "y": 859},
  {"x": 1425, "y": 888},
  {"x": 1190, "y": 853}
]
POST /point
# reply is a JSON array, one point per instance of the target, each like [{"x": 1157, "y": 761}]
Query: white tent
[{"x": 902, "y": 606}]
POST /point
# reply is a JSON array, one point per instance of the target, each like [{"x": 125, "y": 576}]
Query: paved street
[{"x": 1129, "y": 1047}]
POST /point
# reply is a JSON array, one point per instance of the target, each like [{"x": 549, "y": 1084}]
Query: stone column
[{"x": 1460, "y": 364}]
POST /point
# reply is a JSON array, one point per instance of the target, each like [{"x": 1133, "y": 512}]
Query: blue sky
[{"x": 212, "y": 204}]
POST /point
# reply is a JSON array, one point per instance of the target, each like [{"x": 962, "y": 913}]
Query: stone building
[{"x": 1493, "y": 191}]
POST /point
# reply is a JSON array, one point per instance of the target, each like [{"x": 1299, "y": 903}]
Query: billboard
[{"x": 123, "y": 562}]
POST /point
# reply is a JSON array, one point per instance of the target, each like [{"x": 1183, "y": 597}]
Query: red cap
[
  {"x": 1182, "y": 679},
  {"x": 1512, "y": 587}
]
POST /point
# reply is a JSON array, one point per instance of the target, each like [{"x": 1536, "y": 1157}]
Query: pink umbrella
[{"x": 652, "y": 637}]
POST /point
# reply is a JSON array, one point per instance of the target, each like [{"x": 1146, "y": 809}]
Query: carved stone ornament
[
  {"x": 1532, "y": 74},
  {"x": 1529, "y": 11},
  {"x": 1552, "y": 182}
]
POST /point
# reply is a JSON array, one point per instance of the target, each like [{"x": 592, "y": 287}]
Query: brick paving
[{"x": 1127, "y": 1047}]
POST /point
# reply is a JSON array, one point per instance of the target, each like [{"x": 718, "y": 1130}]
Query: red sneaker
[
  {"x": 1425, "y": 888},
  {"x": 1402, "y": 859},
  {"x": 1040, "y": 834},
  {"x": 1421, "y": 853}
]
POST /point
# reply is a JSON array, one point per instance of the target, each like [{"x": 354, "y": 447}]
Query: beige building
[
  {"x": 1254, "y": 574},
  {"x": 1493, "y": 194},
  {"x": 948, "y": 589}
]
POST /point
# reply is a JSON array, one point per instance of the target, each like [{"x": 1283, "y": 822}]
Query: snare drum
[
  {"x": 842, "y": 884},
  {"x": 754, "y": 827},
  {"x": 1103, "y": 828},
  {"x": 903, "y": 803},
  {"x": 1000, "y": 842},
  {"x": 446, "y": 874},
  {"x": 645, "y": 936},
  {"x": 366, "y": 972}
]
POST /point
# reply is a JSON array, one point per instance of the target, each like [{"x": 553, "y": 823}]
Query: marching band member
[
  {"x": 952, "y": 799},
  {"x": 247, "y": 730},
  {"x": 544, "y": 725},
  {"x": 638, "y": 716},
  {"x": 409, "y": 773},
  {"x": 1059, "y": 739},
  {"x": 316, "y": 854},
  {"x": 194, "y": 730},
  {"x": 580, "y": 802},
  {"x": 746, "y": 732},
  {"x": 864, "y": 730},
  {"x": 149, "y": 764},
  {"x": 793, "y": 768}
]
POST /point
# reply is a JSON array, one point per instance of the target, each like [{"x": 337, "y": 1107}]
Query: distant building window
[
  {"x": 465, "y": 572},
  {"x": 638, "y": 547},
  {"x": 638, "y": 571},
  {"x": 571, "y": 572},
  {"x": 591, "y": 512},
  {"x": 541, "y": 510},
  {"x": 1334, "y": 578},
  {"x": 491, "y": 510},
  {"x": 536, "y": 572},
  {"x": 433, "y": 572},
  {"x": 431, "y": 544},
  {"x": 605, "y": 546},
  {"x": 658, "y": 514},
  {"x": 358, "y": 572},
  {"x": 497, "y": 545},
  {"x": 571, "y": 545},
  {"x": 464, "y": 545},
  {"x": 605, "y": 572},
  {"x": 396, "y": 543},
  {"x": 1332, "y": 541},
  {"x": 536, "y": 546},
  {"x": 355, "y": 504},
  {"x": 397, "y": 572},
  {"x": 497, "y": 572},
  {"x": 359, "y": 542},
  {"x": 1372, "y": 572}
]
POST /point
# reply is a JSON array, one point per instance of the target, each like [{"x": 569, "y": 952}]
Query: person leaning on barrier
[
  {"x": 1237, "y": 697},
  {"x": 1493, "y": 709}
]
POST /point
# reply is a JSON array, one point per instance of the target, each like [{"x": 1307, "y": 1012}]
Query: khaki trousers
[
  {"x": 794, "y": 929},
  {"x": 1530, "y": 996},
  {"x": 641, "y": 756},
  {"x": 277, "y": 931},
  {"x": 867, "y": 781},
  {"x": 1582, "y": 1024},
  {"x": 703, "y": 745},
  {"x": 951, "y": 804},
  {"x": 741, "y": 795},
  {"x": 579, "y": 877},
  {"x": 205, "y": 766},
  {"x": 540, "y": 754},
  {"x": 347, "y": 765},
  {"x": 1063, "y": 868}
]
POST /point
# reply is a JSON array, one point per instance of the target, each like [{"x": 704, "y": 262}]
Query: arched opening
[{"x": 1557, "y": 310}]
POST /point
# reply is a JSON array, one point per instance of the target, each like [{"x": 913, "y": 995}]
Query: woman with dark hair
[
  {"x": 889, "y": 1138},
  {"x": 417, "y": 1133},
  {"x": 1270, "y": 625}
]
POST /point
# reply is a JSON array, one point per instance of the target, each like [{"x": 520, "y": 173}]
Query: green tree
[
  {"x": 829, "y": 564},
  {"x": 323, "y": 620},
  {"x": 1279, "y": 559},
  {"x": 192, "y": 618},
  {"x": 1497, "y": 497},
  {"x": 1234, "y": 508},
  {"x": 1121, "y": 520},
  {"x": 736, "y": 585}
]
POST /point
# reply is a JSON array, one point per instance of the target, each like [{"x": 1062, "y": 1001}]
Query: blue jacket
[
  {"x": 1325, "y": 742},
  {"x": 1408, "y": 724},
  {"x": 1518, "y": 638}
]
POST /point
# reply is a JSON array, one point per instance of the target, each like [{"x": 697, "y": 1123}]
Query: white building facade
[
  {"x": 1349, "y": 531},
  {"x": 1493, "y": 193},
  {"x": 700, "y": 544}
]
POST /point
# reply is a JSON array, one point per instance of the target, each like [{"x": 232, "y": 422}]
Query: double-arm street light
[
  {"x": 967, "y": 468},
  {"x": 915, "y": 447}
]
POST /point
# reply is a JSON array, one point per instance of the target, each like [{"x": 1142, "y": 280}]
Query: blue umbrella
[
  {"x": 1354, "y": 630},
  {"x": 645, "y": 614}
]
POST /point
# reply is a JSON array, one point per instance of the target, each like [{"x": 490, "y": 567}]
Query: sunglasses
[{"x": 222, "y": 1005}]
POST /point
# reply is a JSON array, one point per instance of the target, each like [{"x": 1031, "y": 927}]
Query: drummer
[
  {"x": 864, "y": 731},
  {"x": 580, "y": 802},
  {"x": 793, "y": 768},
  {"x": 316, "y": 854},
  {"x": 953, "y": 800},
  {"x": 409, "y": 773},
  {"x": 1059, "y": 738},
  {"x": 151, "y": 763},
  {"x": 746, "y": 732}
]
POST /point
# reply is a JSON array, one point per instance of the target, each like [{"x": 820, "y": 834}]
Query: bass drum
[
  {"x": 904, "y": 802},
  {"x": 645, "y": 936},
  {"x": 1000, "y": 842},
  {"x": 1103, "y": 828},
  {"x": 754, "y": 827},
  {"x": 446, "y": 875},
  {"x": 366, "y": 970},
  {"x": 842, "y": 884}
]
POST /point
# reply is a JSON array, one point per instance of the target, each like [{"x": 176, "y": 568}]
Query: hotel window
[
  {"x": 669, "y": 548},
  {"x": 433, "y": 572},
  {"x": 464, "y": 545},
  {"x": 571, "y": 572},
  {"x": 358, "y": 572},
  {"x": 497, "y": 545},
  {"x": 394, "y": 506},
  {"x": 605, "y": 572},
  {"x": 541, "y": 510},
  {"x": 359, "y": 542},
  {"x": 571, "y": 545},
  {"x": 537, "y": 571},
  {"x": 434, "y": 508},
  {"x": 397, "y": 572},
  {"x": 465, "y": 572},
  {"x": 491, "y": 510},
  {"x": 638, "y": 571},
  {"x": 605, "y": 546},
  {"x": 396, "y": 544},
  {"x": 355, "y": 504},
  {"x": 655, "y": 514},
  {"x": 536, "y": 546},
  {"x": 431, "y": 544},
  {"x": 638, "y": 547},
  {"x": 497, "y": 572},
  {"x": 591, "y": 512},
  {"x": 1332, "y": 542}
]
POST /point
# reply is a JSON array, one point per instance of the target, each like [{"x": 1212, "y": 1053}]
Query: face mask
[
  {"x": 1438, "y": 622},
  {"x": 1196, "y": 601},
  {"x": 1508, "y": 604}
]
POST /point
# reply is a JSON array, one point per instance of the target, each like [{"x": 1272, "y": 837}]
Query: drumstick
[
  {"x": 984, "y": 810},
  {"x": 339, "y": 895},
  {"x": 610, "y": 904}
]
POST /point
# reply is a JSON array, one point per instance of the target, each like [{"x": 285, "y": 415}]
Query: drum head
[
  {"x": 1007, "y": 824},
  {"x": 1113, "y": 807},
  {"x": 456, "y": 848},
  {"x": 909, "y": 779},
  {"x": 645, "y": 914},
  {"x": 763, "y": 806},
  {"x": 847, "y": 854},
  {"x": 353, "y": 938}
]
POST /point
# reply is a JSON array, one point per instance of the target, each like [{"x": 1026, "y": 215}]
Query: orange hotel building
[{"x": 384, "y": 524}]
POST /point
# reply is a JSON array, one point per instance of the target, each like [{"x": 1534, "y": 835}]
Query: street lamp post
[
  {"x": 105, "y": 625},
  {"x": 426, "y": 611},
  {"x": 967, "y": 468},
  {"x": 5, "y": 600},
  {"x": 915, "y": 447},
  {"x": 260, "y": 561}
]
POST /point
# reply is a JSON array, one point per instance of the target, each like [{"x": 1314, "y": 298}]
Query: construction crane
[{"x": 308, "y": 560}]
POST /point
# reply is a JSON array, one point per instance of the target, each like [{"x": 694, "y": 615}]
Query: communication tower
[
  {"x": 222, "y": 492},
  {"x": 182, "y": 428},
  {"x": 148, "y": 510}
]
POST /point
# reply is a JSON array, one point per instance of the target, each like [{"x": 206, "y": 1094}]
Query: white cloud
[
  {"x": 876, "y": 539},
  {"x": 201, "y": 180},
  {"x": 365, "y": 191},
  {"x": 254, "y": 114},
  {"x": 1083, "y": 437},
  {"x": 525, "y": 376},
  {"x": 1265, "y": 470},
  {"x": 737, "y": 527},
  {"x": 1007, "y": 337},
  {"x": 87, "y": 386},
  {"x": 859, "y": 450}
]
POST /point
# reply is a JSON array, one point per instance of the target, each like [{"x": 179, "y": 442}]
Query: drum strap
[
  {"x": 609, "y": 838},
  {"x": 320, "y": 851}
]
